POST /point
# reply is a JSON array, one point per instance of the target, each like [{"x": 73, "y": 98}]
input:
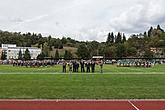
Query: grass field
[
  {"x": 19, "y": 84},
  {"x": 112, "y": 69}
]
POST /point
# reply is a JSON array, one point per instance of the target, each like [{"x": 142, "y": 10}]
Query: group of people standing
[{"x": 86, "y": 66}]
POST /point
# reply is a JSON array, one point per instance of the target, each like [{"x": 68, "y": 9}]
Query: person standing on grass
[
  {"x": 74, "y": 66},
  {"x": 64, "y": 66},
  {"x": 77, "y": 66},
  {"x": 101, "y": 66},
  {"x": 82, "y": 66},
  {"x": 88, "y": 66},
  {"x": 93, "y": 66},
  {"x": 70, "y": 66}
]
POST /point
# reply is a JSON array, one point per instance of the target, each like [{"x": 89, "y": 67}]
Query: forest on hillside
[{"x": 116, "y": 46}]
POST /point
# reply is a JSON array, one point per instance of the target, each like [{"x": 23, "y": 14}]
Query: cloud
[
  {"x": 81, "y": 19},
  {"x": 140, "y": 17}
]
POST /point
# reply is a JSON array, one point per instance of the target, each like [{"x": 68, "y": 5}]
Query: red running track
[{"x": 81, "y": 105}]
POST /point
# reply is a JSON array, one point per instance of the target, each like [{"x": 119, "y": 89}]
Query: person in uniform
[
  {"x": 64, "y": 66},
  {"x": 70, "y": 66},
  {"x": 101, "y": 66},
  {"x": 82, "y": 66},
  {"x": 88, "y": 66},
  {"x": 77, "y": 66},
  {"x": 93, "y": 66}
]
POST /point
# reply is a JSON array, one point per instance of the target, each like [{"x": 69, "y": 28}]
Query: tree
[
  {"x": 49, "y": 42},
  {"x": 108, "y": 38},
  {"x": 41, "y": 56},
  {"x": 64, "y": 40},
  {"x": 131, "y": 51},
  {"x": 121, "y": 50},
  {"x": 45, "y": 49},
  {"x": 27, "y": 55},
  {"x": 145, "y": 35},
  {"x": 124, "y": 38},
  {"x": 118, "y": 38},
  {"x": 68, "y": 55},
  {"x": 148, "y": 53},
  {"x": 110, "y": 51},
  {"x": 83, "y": 52},
  {"x": 159, "y": 28},
  {"x": 112, "y": 38},
  {"x": 3, "y": 56},
  {"x": 57, "y": 56},
  {"x": 20, "y": 56},
  {"x": 150, "y": 32}
]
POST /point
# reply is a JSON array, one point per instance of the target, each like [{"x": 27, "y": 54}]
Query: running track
[{"x": 82, "y": 104}]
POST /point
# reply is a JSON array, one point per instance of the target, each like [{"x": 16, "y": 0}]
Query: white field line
[
  {"x": 133, "y": 105},
  {"x": 85, "y": 100}
]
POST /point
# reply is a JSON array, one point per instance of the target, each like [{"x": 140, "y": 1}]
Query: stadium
[{"x": 82, "y": 55}]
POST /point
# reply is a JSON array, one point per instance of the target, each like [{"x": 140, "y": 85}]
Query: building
[{"x": 12, "y": 51}]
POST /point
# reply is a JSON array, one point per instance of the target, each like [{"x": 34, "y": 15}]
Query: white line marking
[{"x": 133, "y": 105}]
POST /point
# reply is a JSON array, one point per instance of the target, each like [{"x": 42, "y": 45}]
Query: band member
[
  {"x": 88, "y": 66},
  {"x": 82, "y": 66},
  {"x": 64, "y": 66},
  {"x": 101, "y": 66},
  {"x": 93, "y": 66},
  {"x": 70, "y": 66},
  {"x": 77, "y": 66}
]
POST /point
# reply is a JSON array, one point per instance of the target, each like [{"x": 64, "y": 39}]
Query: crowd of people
[
  {"x": 86, "y": 66},
  {"x": 34, "y": 63},
  {"x": 135, "y": 63},
  {"x": 72, "y": 65}
]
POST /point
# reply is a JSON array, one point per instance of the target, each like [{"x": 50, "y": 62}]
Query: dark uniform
[
  {"x": 82, "y": 66},
  {"x": 77, "y": 66},
  {"x": 88, "y": 67},
  {"x": 74, "y": 66},
  {"x": 93, "y": 66},
  {"x": 64, "y": 67}
]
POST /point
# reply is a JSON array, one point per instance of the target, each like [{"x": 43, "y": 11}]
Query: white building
[{"x": 12, "y": 51}]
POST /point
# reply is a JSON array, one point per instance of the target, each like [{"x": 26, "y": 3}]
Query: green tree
[
  {"x": 68, "y": 55},
  {"x": 41, "y": 56},
  {"x": 148, "y": 53},
  {"x": 124, "y": 38},
  {"x": 64, "y": 40},
  {"x": 110, "y": 51},
  {"x": 27, "y": 55},
  {"x": 131, "y": 51},
  {"x": 20, "y": 56},
  {"x": 150, "y": 32},
  {"x": 112, "y": 38},
  {"x": 108, "y": 38},
  {"x": 121, "y": 50},
  {"x": 83, "y": 51},
  {"x": 57, "y": 56},
  {"x": 3, "y": 56},
  {"x": 118, "y": 38}
]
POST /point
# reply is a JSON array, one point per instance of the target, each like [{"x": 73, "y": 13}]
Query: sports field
[{"x": 51, "y": 83}]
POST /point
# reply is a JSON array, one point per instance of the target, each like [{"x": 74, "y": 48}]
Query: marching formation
[{"x": 34, "y": 63}]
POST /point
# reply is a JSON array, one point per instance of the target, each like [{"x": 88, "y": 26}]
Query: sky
[{"x": 81, "y": 19}]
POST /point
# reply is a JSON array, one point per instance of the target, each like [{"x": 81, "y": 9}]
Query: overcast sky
[{"x": 81, "y": 19}]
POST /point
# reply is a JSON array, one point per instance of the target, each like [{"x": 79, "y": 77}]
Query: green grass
[
  {"x": 58, "y": 69},
  {"x": 126, "y": 85},
  {"x": 82, "y": 86}
]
